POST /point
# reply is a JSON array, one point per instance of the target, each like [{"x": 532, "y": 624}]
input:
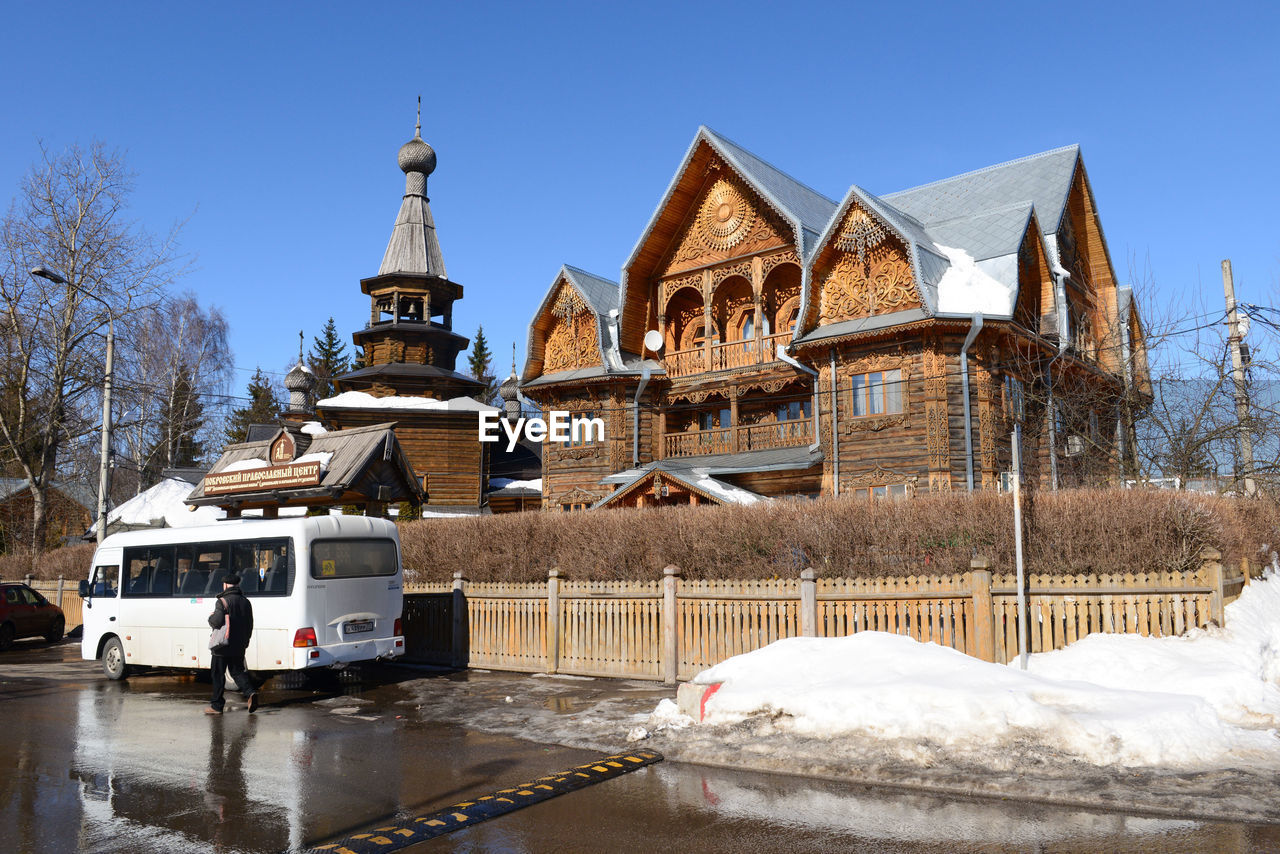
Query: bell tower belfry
[{"x": 409, "y": 347}]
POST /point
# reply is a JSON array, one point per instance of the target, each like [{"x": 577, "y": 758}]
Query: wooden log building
[{"x": 768, "y": 341}]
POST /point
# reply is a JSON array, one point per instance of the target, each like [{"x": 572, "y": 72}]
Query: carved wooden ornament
[{"x": 571, "y": 341}]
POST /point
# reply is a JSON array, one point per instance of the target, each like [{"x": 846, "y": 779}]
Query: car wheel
[
  {"x": 7, "y": 635},
  {"x": 113, "y": 659},
  {"x": 56, "y": 629}
]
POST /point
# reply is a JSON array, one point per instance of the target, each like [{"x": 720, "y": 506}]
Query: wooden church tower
[{"x": 409, "y": 346}]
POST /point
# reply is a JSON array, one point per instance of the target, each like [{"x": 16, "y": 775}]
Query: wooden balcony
[
  {"x": 732, "y": 440},
  {"x": 724, "y": 357}
]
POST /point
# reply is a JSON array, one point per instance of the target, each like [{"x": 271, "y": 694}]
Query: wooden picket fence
[{"x": 674, "y": 628}]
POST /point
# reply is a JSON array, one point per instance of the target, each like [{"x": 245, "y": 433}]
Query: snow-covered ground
[{"x": 1208, "y": 699}]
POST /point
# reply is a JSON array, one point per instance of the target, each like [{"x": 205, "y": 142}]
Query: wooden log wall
[{"x": 443, "y": 447}]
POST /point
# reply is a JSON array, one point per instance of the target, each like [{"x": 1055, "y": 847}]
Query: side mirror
[{"x": 84, "y": 590}]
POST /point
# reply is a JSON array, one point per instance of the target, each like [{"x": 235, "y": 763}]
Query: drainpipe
[
  {"x": 786, "y": 357},
  {"x": 1053, "y": 422},
  {"x": 635, "y": 414},
  {"x": 835, "y": 419},
  {"x": 974, "y": 328}
]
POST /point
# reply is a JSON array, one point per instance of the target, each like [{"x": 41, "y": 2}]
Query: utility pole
[{"x": 1237, "y": 370}]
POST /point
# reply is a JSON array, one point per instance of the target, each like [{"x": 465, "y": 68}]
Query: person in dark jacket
[{"x": 232, "y": 602}]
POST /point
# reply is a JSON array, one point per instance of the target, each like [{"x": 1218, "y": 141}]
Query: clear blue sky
[{"x": 275, "y": 127}]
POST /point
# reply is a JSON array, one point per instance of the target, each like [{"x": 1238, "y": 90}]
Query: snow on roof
[
  {"x": 321, "y": 457},
  {"x": 245, "y": 465},
  {"x": 965, "y": 288},
  {"x": 364, "y": 400},
  {"x": 508, "y": 483},
  {"x": 164, "y": 501},
  {"x": 313, "y": 428},
  {"x": 1206, "y": 699},
  {"x": 722, "y": 490}
]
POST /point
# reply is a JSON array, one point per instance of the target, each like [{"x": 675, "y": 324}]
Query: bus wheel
[{"x": 113, "y": 659}]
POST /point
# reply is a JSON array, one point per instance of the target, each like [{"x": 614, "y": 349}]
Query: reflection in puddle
[{"x": 561, "y": 704}]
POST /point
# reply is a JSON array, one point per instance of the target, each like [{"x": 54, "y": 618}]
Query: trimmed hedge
[{"x": 1069, "y": 532}]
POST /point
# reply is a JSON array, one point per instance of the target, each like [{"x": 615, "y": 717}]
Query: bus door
[{"x": 101, "y": 610}]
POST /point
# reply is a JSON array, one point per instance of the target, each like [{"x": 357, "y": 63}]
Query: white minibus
[{"x": 326, "y": 591}]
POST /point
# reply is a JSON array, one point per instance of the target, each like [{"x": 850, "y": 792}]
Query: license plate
[{"x": 357, "y": 626}]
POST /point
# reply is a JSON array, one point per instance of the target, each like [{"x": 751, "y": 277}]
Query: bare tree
[
  {"x": 69, "y": 216},
  {"x": 175, "y": 377}
]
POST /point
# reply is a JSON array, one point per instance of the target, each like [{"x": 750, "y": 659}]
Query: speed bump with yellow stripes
[{"x": 408, "y": 832}]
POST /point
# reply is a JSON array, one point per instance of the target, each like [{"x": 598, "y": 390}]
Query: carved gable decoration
[
  {"x": 728, "y": 222},
  {"x": 577, "y": 495},
  {"x": 871, "y": 275},
  {"x": 571, "y": 340}
]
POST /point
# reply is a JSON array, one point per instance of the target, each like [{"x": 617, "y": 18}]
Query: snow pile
[
  {"x": 965, "y": 288},
  {"x": 313, "y": 428},
  {"x": 363, "y": 400},
  {"x": 1203, "y": 699}
]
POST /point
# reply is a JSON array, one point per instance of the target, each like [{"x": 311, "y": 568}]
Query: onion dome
[
  {"x": 509, "y": 391},
  {"x": 417, "y": 156}
]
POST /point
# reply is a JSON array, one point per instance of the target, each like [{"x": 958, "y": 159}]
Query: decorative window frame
[
  {"x": 850, "y": 423},
  {"x": 880, "y": 479}
]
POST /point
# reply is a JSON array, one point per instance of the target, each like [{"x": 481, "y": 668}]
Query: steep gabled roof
[
  {"x": 797, "y": 201},
  {"x": 1044, "y": 179},
  {"x": 601, "y": 295},
  {"x": 988, "y": 234},
  {"x": 927, "y": 262}
]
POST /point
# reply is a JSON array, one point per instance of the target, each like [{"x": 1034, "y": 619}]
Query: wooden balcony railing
[
  {"x": 724, "y": 357},
  {"x": 754, "y": 437}
]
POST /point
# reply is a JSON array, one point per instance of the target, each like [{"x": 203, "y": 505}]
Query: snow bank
[
  {"x": 965, "y": 288},
  {"x": 1201, "y": 700}
]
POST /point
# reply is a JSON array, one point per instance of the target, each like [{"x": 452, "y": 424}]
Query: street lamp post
[{"x": 104, "y": 464}]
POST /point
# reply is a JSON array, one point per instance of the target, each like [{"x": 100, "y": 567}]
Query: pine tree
[
  {"x": 263, "y": 408},
  {"x": 327, "y": 359},
  {"x": 480, "y": 363}
]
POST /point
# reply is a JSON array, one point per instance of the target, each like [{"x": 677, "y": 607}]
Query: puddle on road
[{"x": 562, "y": 705}]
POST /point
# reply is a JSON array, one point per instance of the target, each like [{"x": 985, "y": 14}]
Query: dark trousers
[{"x": 220, "y": 666}]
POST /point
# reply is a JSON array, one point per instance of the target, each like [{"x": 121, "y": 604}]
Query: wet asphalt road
[{"x": 135, "y": 766}]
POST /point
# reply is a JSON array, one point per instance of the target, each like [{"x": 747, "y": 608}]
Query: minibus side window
[
  {"x": 149, "y": 571},
  {"x": 263, "y": 566}
]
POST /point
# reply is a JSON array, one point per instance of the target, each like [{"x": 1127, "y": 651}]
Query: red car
[{"x": 24, "y": 613}]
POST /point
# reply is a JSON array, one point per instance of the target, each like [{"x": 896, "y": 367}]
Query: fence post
[
  {"x": 461, "y": 622},
  {"x": 553, "y": 620},
  {"x": 27, "y": 579},
  {"x": 984, "y": 618},
  {"x": 1211, "y": 562},
  {"x": 59, "y": 602},
  {"x": 670, "y": 624},
  {"x": 808, "y": 604}
]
